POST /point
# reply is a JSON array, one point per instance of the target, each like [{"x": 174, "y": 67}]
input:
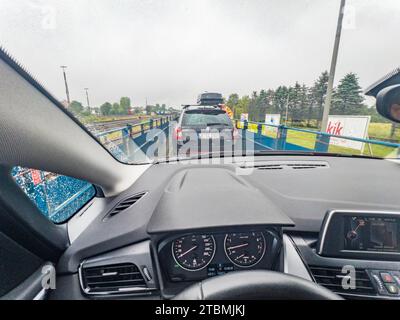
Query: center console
[
  {"x": 357, "y": 238},
  {"x": 361, "y": 234}
]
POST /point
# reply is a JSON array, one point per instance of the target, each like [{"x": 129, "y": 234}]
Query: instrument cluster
[{"x": 196, "y": 256}]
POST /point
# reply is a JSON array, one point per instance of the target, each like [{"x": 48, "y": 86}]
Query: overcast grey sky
[{"x": 170, "y": 50}]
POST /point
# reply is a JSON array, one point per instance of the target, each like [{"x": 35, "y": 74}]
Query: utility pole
[
  {"x": 87, "y": 97},
  {"x": 66, "y": 84},
  {"x": 329, "y": 91}
]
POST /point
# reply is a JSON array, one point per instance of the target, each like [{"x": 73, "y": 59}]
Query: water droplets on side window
[{"x": 57, "y": 197}]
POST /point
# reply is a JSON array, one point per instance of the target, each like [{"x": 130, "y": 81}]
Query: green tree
[
  {"x": 137, "y": 110},
  {"x": 116, "y": 108},
  {"x": 76, "y": 107},
  {"x": 253, "y": 106},
  {"x": 317, "y": 96},
  {"x": 294, "y": 103},
  {"x": 105, "y": 109},
  {"x": 268, "y": 99},
  {"x": 232, "y": 102},
  {"x": 304, "y": 100},
  {"x": 263, "y": 104},
  {"x": 86, "y": 112},
  {"x": 157, "y": 108},
  {"x": 348, "y": 98},
  {"x": 280, "y": 100},
  {"x": 124, "y": 105},
  {"x": 242, "y": 106}
]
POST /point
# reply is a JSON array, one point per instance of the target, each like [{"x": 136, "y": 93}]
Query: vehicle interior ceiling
[{"x": 291, "y": 208}]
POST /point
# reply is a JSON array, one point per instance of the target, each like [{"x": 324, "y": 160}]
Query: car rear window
[{"x": 202, "y": 118}]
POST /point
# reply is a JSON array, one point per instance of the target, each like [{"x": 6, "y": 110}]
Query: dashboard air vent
[
  {"x": 331, "y": 278},
  {"x": 295, "y": 165},
  {"x": 116, "y": 278},
  {"x": 125, "y": 204}
]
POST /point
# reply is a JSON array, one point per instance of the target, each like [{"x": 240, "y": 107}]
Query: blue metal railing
[
  {"x": 322, "y": 140},
  {"x": 119, "y": 140},
  {"x": 128, "y": 129}
]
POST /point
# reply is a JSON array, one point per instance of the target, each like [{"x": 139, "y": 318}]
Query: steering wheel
[{"x": 256, "y": 285}]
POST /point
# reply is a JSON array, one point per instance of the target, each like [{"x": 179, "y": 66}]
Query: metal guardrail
[
  {"x": 144, "y": 126},
  {"x": 119, "y": 140},
  {"x": 322, "y": 139},
  {"x": 280, "y": 142}
]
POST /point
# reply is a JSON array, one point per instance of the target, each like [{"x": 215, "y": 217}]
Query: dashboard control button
[
  {"x": 147, "y": 274},
  {"x": 378, "y": 283},
  {"x": 396, "y": 276},
  {"x": 391, "y": 288},
  {"x": 387, "y": 277}
]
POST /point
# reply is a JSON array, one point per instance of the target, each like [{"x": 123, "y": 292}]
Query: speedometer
[
  {"x": 245, "y": 249},
  {"x": 193, "y": 252}
]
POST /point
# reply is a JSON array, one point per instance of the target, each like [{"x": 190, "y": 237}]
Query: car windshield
[
  {"x": 200, "y": 118},
  {"x": 285, "y": 76}
]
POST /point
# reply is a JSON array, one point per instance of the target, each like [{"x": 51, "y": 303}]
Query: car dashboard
[{"x": 199, "y": 221}]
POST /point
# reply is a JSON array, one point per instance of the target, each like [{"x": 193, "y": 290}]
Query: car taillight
[{"x": 178, "y": 134}]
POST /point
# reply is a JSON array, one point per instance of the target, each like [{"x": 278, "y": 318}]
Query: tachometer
[
  {"x": 193, "y": 252},
  {"x": 245, "y": 249}
]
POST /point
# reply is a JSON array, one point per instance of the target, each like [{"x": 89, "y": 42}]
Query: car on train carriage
[{"x": 115, "y": 214}]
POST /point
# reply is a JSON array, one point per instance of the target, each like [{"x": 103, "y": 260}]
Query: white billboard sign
[
  {"x": 274, "y": 119},
  {"x": 348, "y": 126}
]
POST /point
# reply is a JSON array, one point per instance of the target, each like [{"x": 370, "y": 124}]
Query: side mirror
[{"x": 388, "y": 102}]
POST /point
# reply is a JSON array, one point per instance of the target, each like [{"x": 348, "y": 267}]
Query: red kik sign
[{"x": 334, "y": 128}]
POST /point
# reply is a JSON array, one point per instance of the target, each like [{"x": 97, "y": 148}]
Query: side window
[{"x": 57, "y": 197}]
